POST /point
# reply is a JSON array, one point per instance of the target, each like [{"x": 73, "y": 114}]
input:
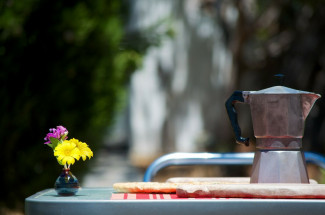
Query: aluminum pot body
[{"x": 279, "y": 119}]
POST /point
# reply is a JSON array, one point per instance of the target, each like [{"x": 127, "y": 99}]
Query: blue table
[{"x": 96, "y": 201}]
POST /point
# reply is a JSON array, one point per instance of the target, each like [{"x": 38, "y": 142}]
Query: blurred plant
[{"x": 61, "y": 63}]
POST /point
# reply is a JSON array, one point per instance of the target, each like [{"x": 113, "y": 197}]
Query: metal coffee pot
[{"x": 278, "y": 116}]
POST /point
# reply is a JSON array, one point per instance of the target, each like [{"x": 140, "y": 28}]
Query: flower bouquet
[{"x": 66, "y": 152}]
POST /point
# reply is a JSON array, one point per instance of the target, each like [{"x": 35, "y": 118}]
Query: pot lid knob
[{"x": 280, "y": 78}]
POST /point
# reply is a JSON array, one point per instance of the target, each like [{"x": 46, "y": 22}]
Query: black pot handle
[{"x": 237, "y": 96}]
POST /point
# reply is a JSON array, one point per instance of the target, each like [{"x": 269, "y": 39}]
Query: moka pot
[{"x": 278, "y": 116}]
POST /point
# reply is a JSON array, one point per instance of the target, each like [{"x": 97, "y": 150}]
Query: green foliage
[
  {"x": 322, "y": 178},
  {"x": 61, "y": 64}
]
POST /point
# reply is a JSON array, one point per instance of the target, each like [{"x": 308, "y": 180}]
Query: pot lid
[{"x": 280, "y": 90}]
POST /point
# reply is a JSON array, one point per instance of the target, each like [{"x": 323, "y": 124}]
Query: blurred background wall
[
  {"x": 148, "y": 77},
  {"x": 177, "y": 97}
]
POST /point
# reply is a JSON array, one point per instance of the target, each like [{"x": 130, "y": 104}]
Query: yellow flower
[
  {"x": 67, "y": 152},
  {"x": 85, "y": 151}
]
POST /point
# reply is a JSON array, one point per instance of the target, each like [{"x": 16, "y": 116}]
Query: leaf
[
  {"x": 54, "y": 142},
  {"x": 63, "y": 136}
]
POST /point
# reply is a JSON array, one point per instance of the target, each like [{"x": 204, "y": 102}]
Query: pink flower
[{"x": 59, "y": 133}]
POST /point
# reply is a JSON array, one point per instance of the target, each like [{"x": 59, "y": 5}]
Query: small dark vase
[{"x": 66, "y": 184}]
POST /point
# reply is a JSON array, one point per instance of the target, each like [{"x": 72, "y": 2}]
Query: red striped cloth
[
  {"x": 142, "y": 196},
  {"x": 149, "y": 196}
]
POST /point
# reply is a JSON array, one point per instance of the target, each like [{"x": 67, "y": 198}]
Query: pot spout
[{"x": 308, "y": 101}]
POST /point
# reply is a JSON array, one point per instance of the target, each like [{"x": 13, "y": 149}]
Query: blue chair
[{"x": 205, "y": 158}]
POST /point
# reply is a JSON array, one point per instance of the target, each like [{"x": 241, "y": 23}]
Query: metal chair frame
[{"x": 205, "y": 158}]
